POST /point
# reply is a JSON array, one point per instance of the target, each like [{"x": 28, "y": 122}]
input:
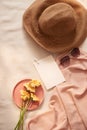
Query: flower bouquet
[{"x": 28, "y": 95}]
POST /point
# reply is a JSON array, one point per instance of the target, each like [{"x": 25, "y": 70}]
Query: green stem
[
  {"x": 19, "y": 125},
  {"x": 20, "y": 121}
]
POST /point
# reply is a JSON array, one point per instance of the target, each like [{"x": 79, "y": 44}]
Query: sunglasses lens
[
  {"x": 75, "y": 52},
  {"x": 65, "y": 60}
]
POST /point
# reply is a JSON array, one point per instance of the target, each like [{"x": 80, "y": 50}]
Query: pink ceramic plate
[{"x": 17, "y": 97}]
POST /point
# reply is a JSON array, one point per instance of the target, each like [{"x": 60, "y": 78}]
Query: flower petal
[
  {"x": 31, "y": 85},
  {"x": 25, "y": 95},
  {"x": 34, "y": 97}
]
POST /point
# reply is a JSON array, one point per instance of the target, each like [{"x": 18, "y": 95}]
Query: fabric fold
[{"x": 68, "y": 103}]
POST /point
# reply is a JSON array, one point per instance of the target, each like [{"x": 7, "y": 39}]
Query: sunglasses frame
[{"x": 75, "y": 52}]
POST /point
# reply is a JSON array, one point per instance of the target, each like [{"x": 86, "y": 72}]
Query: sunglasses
[{"x": 66, "y": 59}]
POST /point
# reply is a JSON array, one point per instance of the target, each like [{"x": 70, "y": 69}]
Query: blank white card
[{"x": 49, "y": 72}]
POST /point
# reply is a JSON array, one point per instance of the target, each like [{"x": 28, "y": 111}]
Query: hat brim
[{"x": 30, "y": 22}]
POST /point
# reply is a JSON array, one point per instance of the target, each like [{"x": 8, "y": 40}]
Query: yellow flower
[
  {"x": 25, "y": 95},
  {"x": 34, "y": 97},
  {"x": 28, "y": 96},
  {"x": 31, "y": 85}
]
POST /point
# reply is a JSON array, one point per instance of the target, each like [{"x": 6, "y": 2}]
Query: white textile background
[{"x": 17, "y": 52}]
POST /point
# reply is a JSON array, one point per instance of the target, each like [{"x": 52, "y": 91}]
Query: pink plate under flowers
[{"x": 17, "y": 96}]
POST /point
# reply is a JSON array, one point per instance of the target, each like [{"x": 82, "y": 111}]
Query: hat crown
[
  {"x": 58, "y": 19},
  {"x": 56, "y": 25}
]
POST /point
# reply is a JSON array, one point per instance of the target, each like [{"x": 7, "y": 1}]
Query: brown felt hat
[{"x": 56, "y": 25}]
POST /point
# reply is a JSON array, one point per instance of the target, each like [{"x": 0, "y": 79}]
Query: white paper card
[{"x": 49, "y": 71}]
